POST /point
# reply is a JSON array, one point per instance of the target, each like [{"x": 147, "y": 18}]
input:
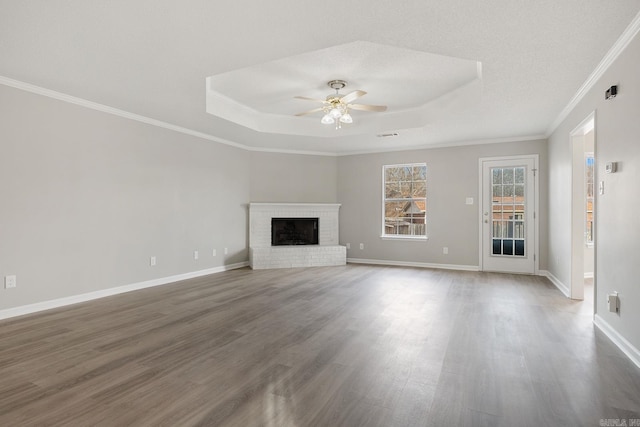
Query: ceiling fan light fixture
[
  {"x": 335, "y": 113},
  {"x": 327, "y": 120},
  {"x": 337, "y": 84},
  {"x": 346, "y": 118},
  {"x": 336, "y": 106}
]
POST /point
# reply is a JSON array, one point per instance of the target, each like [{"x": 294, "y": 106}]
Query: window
[
  {"x": 508, "y": 203},
  {"x": 589, "y": 190},
  {"x": 405, "y": 201}
]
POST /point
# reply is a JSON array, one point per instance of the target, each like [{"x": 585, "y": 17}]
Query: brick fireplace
[{"x": 262, "y": 254}]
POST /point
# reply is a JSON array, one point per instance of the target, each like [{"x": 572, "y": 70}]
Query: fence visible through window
[
  {"x": 508, "y": 211},
  {"x": 405, "y": 200}
]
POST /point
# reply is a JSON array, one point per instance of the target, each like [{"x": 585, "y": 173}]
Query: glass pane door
[
  {"x": 508, "y": 203},
  {"x": 507, "y": 215}
]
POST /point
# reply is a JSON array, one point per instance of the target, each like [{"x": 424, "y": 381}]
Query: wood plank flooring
[{"x": 337, "y": 346}]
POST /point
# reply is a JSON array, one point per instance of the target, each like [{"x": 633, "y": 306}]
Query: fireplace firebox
[{"x": 294, "y": 231}]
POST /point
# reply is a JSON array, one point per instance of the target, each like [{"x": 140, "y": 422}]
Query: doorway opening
[{"x": 583, "y": 179}]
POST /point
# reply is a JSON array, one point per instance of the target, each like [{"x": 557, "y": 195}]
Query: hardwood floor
[{"x": 336, "y": 346}]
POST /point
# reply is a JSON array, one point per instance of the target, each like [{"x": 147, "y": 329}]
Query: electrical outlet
[
  {"x": 152, "y": 261},
  {"x": 10, "y": 282},
  {"x": 348, "y": 245},
  {"x": 445, "y": 250},
  {"x": 215, "y": 252},
  {"x": 361, "y": 245},
  {"x": 226, "y": 251},
  {"x": 196, "y": 255}
]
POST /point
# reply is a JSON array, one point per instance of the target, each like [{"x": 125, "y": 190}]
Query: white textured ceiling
[{"x": 151, "y": 58}]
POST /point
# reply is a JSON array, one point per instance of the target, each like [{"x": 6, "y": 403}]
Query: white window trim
[{"x": 400, "y": 237}]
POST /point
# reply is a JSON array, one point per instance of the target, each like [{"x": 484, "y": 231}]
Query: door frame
[
  {"x": 576, "y": 140},
  {"x": 536, "y": 202}
]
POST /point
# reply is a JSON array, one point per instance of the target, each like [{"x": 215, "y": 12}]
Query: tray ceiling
[
  {"x": 153, "y": 58},
  {"x": 418, "y": 88}
]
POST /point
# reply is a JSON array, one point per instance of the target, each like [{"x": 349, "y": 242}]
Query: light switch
[
  {"x": 469, "y": 200},
  {"x": 613, "y": 302}
]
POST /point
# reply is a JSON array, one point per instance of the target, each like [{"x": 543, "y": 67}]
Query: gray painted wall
[
  {"x": 617, "y": 225},
  {"x": 88, "y": 197},
  {"x": 293, "y": 178},
  {"x": 452, "y": 176}
]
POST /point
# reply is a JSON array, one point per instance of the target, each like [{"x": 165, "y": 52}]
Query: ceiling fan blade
[
  {"x": 310, "y": 99},
  {"x": 310, "y": 111},
  {"x": 351, "y": 96},
  {"x": 363, "y": 107}
]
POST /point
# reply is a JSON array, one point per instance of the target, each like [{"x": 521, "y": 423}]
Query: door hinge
[
  {"x": 534, "y": 257},
  {"x": 534, "y": 171},
  {"x": 534, "y": 215}
]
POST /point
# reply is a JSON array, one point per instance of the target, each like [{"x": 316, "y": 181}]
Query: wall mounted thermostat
[{"x": 611, "y": 167}]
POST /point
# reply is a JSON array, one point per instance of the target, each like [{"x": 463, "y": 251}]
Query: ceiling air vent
[{"x": 387, "y": 135}]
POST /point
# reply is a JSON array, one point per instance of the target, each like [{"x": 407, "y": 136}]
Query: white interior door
[{"x": 508, "y": 220}]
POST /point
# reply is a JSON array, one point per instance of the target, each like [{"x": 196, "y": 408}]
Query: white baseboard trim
[
  {"x": 558, "y": 284},
  {"x": 588, "y": 275},
  {"x": 413, "y": 264},
  {"x": 61, "y": 302},
  {"x": 620, "y": 341}
]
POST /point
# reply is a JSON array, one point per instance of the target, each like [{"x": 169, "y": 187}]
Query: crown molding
[
  {"x": 618, "y": 47},
  {"x": 115, "y": 111},
  {"x": 446, "y": 145},
  {"x": 147, "y": 120},
  {"x": 285, "y": 151}
]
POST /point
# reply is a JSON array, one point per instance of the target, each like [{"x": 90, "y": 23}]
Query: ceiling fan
[{"x": 336, "y": 106}]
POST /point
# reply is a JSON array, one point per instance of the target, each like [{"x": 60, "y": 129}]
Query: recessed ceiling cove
[{"x": 418, "y": 88}]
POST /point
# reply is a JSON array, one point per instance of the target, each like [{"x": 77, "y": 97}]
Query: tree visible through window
[{"x": 405, "y": 200}]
